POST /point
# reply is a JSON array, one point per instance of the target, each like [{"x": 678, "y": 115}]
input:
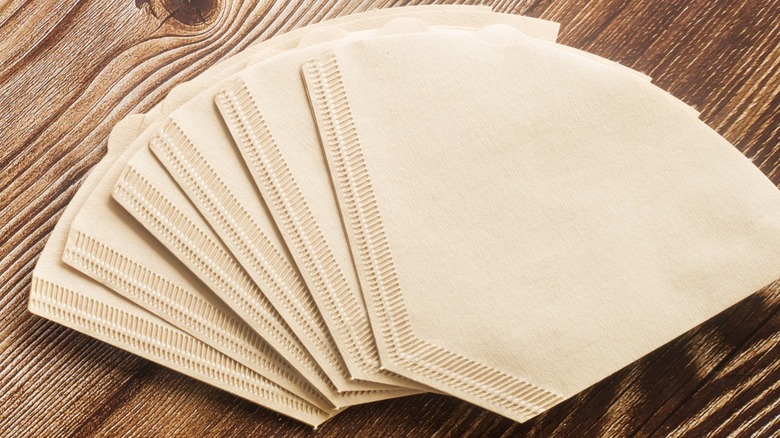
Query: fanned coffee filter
[
  {"x": 533, "y": 223},
  {"x": 66, "y": 296},
  {"x": 141, "y": 188},
  {"x": 268, "y": 113}
]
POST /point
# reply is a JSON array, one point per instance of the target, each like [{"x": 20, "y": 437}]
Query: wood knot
[{"x": 188, "y": 13}]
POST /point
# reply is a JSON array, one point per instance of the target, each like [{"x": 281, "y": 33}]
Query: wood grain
[{"x": 71, "y": 69}]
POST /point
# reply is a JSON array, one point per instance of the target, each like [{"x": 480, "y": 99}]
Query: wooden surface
[{"x": 69, "y": 70}]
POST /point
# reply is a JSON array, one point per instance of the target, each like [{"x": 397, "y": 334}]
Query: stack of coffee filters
[{"x": 407, "y": 200}]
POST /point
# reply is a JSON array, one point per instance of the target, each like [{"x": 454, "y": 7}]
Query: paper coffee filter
[
  {"x": 612, "y": 234},
  {"x": 529, "y": 226},
  {"x": 64, "y": 295}
]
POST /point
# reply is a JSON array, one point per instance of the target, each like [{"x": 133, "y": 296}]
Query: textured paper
[
  {"x": 63, "y": 295},
  {"x": 268, "y": 113},
  {"x": 141, "y": 188},
  {"x": 534, "y": 223}
]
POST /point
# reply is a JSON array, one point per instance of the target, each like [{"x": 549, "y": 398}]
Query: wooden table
[{"x": 71, "y": 69}]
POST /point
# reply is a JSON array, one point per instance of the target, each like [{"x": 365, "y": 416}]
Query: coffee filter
[{"x": 529, "y": 226}]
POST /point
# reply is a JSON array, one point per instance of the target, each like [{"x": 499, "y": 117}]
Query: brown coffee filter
[{"x": 526, "y": 221}]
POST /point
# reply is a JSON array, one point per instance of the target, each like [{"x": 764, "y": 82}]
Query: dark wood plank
[{"x": 70, "y": 70}]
